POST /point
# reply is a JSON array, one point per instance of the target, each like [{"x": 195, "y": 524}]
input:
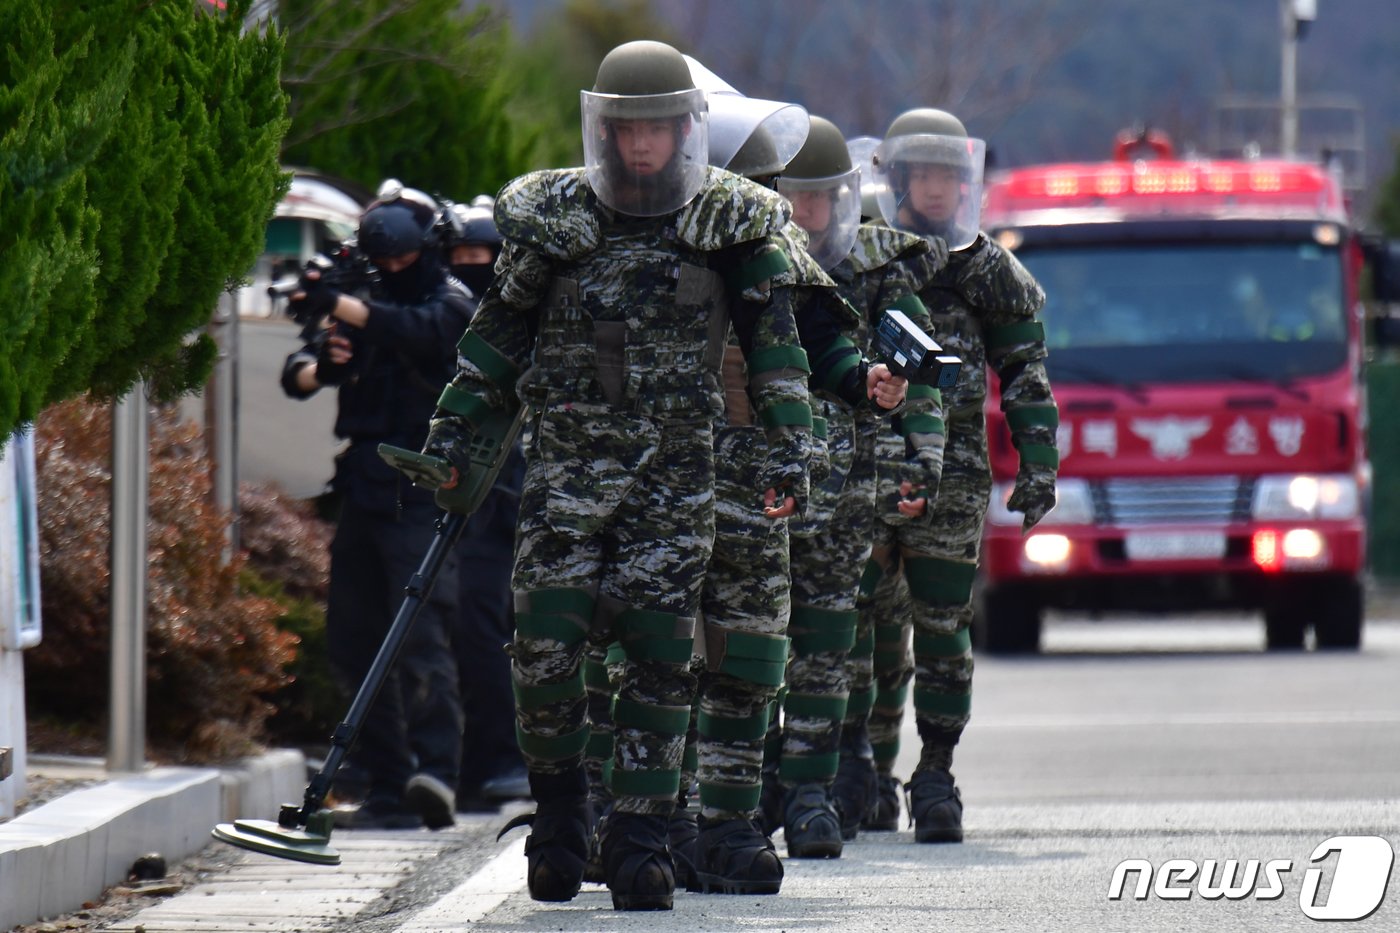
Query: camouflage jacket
[
  {"x": 983, "y": 305},
  {"x": 588, "y": 306}
]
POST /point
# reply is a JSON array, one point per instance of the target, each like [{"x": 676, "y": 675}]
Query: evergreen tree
[
  {"x": 139, "y": 173},
  {"x": 413, "y": 89}
]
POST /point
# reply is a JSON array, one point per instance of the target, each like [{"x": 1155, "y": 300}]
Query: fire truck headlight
[
  {"x": 1074, "y": 504},
  {"x": 1047, "y": 550},
  {"x": 1306, "y": 497}
]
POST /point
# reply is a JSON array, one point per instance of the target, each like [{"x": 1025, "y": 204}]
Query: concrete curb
[{"x": 57, "y": 856}]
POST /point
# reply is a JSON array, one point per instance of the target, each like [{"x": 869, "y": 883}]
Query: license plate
[{"x": 1174, "y": 545}]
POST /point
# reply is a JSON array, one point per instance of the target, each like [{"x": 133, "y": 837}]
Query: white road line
[
  {"x": 476, "y": 897},
  {"x": 1142, "y": 720}
]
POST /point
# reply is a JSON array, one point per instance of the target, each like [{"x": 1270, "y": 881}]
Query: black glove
[
  {"x": 786, "y": 467},
  {"x": 317, "y": 302},
  {"x": 450, "y": 437},
  {"x": 1034, "y": 493},
  {"x": 328, "y": 372}
]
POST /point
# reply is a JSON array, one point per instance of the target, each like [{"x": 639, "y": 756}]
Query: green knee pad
[
  {"x": 956, "y": 645},
  {"x": 752, "y": 657},
  {"x": 563, "y": 615},
  {"x": 655, "y": 637},
  {"x": 822, "y": 631},
  {"x": 940, "y": 582}
]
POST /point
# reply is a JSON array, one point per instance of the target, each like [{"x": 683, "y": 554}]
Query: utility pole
[
  {"x": 1295, "y": 16},
  {"x": 126, "y": 733}
]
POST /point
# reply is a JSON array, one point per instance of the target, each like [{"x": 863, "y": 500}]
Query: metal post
[
  {"x": 126, "y": 737},
  {"x": 1288, "y": 83},
  {"x": 221, "y": 418}
]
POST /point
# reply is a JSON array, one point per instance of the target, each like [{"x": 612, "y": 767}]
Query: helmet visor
[
  {"x": 829, "y": 210},
  {"x": 932, "y": 185},
  {"x": 735, "y": 118},
  {"x": 645, "y": 155},
  {"x": 862, "y": 151}
]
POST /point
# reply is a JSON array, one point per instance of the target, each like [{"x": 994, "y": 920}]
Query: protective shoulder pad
[
  {"x": 730, "y": 210},
  {"x": 804, "y": 270},
  {"x": 878, "y": 246},
  {"x": 553, "y": 211},
  {"x": 990, "y": 277}
]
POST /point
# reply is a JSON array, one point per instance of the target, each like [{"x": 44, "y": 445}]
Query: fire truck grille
[{"x": 1194, "y": 500}]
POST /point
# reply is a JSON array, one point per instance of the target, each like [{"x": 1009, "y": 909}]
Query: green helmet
[
  {"x": 824, "y": 187},
  {"x": 935, "y": 132},
  {"x": 929, "y": 176},
  {"x": 757, "y": 157},
  {"x": 645, "y": 69},
  {"x": 643, "y": 87},
  {"x": 823, "y": 155}
]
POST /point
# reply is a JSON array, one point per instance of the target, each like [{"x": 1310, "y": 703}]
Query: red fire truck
[{"x": 1206, "y": 351}]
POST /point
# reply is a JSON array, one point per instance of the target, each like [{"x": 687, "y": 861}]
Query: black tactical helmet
[
  {"x": 823, "y": 155},
  {"x": 643, "y": 67},
  {"x": 392, "y": 229},
  {"x": 472, "y": 223}
]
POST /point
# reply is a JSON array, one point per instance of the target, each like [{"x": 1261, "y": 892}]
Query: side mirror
[{"x": 1383, "y": 256}]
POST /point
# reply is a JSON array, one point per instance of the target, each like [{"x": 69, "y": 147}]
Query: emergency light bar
[{"x": 1166, "y": 178}]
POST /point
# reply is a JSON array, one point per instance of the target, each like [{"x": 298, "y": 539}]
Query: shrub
[{"x": 214, "y": 654}]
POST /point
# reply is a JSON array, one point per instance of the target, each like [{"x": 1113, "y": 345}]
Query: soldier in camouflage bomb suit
[
  {"x": 983, "y": 305},
  {"x": 607, "y": 316},
  {"x": 745, "y": 602},
  {"x": 875, "y": 268}
]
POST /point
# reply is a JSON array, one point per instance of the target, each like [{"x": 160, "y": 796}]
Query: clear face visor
[
  {"x": 829, "y": 210},
  {"x": 645, "y": 155},
  {"x": 862, "y": 150},
  {"x": 734, "y": 119},
  {"x": 932, "y": 185}
]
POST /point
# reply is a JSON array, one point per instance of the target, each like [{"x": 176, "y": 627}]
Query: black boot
[
  {"x": 637, "y": 861},
  {"x": 884, "y": 815},
  {"x": 559, "y": 830},
  {"x": 681, "y": 831},
  {"x": 734, "y": 857},
  {"x": 810, "y": 823},
  {"x": 854, "y": 792},
  {"x": 770, "y": 803},
  {"x": 935, "y": 807}
]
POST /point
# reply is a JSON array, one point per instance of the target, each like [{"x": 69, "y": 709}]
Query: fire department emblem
[
  {"x": 1170, "y": 437},
  {"x": 1287, "y": 434}
]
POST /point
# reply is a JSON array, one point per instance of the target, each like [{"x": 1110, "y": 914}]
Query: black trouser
[
  {"x": 485, "y": 624},
  {"x": 415, "y": 724}
]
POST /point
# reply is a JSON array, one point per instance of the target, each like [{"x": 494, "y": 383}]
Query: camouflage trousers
[
  {"x": 919, "y": 581},
  {"x": 830, "y": 548},
  {"x": 744, "y": 610},
  {"x": 616, "y": 526}
]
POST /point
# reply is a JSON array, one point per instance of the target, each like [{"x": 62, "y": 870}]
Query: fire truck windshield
[{"x": 1145, "y": 312}]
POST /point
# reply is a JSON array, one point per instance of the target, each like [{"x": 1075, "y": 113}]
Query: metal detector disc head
[{"x": 269, "y": 838}]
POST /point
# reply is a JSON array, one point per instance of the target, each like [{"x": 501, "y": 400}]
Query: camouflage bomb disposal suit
[
  {"x": 745, "y": 601},
  {"x": 832, "y": 543},
  {"x": 626, "y": 321},
  {"x": 983, "y": 305}
]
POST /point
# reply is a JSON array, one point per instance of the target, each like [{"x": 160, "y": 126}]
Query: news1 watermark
[{"x": 1357, "y": 867}]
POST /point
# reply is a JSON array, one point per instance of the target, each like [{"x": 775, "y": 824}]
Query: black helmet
[
  {"x": 390, "y": 230},
  {"x": 472, "y": 223},
  {"x": 400, "y": 220}
]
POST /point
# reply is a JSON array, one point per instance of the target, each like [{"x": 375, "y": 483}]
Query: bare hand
[
  {"x": 885, "y": 387},
  {"x": 770, "y": 510},
  {"x": 912, "y": 507},
  {"x": 338, "y": 349}
]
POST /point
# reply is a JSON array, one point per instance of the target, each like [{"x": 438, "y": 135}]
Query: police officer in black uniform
[
  {"x": 492, "y": 770},
  {"x": 389, "y": 355}
]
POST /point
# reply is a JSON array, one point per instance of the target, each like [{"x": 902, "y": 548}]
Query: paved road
[{"x": 1148, "y": 740}]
